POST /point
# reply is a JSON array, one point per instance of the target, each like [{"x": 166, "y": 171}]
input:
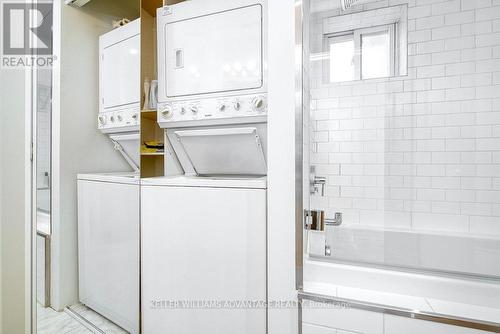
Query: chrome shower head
[{"x": 347, "y": 3}]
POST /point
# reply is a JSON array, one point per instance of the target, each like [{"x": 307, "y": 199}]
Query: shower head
[{"x": 347, "y": 3}]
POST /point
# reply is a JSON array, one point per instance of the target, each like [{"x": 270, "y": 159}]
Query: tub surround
[{"x": 468, "y": 299}]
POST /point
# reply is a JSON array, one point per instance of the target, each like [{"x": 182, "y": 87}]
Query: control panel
[
  {"x": 116, "y": 121},
  {"x": 217, "y": 109}
]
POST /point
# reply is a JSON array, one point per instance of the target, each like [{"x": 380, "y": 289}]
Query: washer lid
[
  {"x": 221, "y": 151},
  {"x": 120, "y": 177}
]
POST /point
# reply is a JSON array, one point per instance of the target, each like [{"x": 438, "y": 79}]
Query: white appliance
[
  {"x": 211, "y": 49},
  {"x": 108, "y": 246},
  {"x": 108, "y": 203},
  {"x": 203, "y": 226},
  {"x": 204, "y": 241},
  {"x": 119, "y": 79}
]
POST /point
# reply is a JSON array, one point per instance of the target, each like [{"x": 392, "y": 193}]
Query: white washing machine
[
  {"x": 204, "y": 228},
  {"x": 108, "y": 246},
  {"x": 203, "y": 255},
  {"x": 204, "y": 233},
  {"x": 108, "y": 203}
]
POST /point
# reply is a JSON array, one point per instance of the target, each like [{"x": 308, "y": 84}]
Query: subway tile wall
[
  {"x": 43, "y": 106},
  {"x": 421, "y": 151}
]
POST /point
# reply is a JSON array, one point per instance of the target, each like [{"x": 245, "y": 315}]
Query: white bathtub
[
  {"x": 43, "y": 222},
  {"x": 43, "y": 258},
  {"x": 450, "y": 275},
  {"x": 43, "y": 199},
  {"x": 457, "y": 254}
]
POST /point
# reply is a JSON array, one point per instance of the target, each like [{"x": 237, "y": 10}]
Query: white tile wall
[
  {"x": 420, "y": 151},
  {"x": 43, "y": 138},
  {"x": 43, "y": 128}
]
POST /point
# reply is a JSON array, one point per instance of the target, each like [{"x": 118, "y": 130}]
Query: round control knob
[
  {"x": 112, "y": 119},
  {"x": 183, "y": 111},
  {"x": 237, "y": 105},
  {"x": 193, "y": 109},
  {"x": 102, "y": 119},
  {"x": 134, "y": 116},
  {"x": 166, "y": 112},
  {"x": 222, "y": 107},
  {"x": 258, "y": 104},
  {"x": 120, "y": 118}
]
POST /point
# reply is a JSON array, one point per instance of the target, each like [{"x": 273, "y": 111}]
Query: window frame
[
  {"x": 335, "y": 38},
  {"x": 391, "y": 30},
  {"x": 356, "y": 35}
]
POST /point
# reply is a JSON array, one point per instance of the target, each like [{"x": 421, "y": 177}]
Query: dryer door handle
[{"x": 179, "y": 58}]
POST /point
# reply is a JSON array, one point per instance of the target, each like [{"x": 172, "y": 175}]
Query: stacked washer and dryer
[
  {"x": 204, "y": 225},
  {"x": 108, "y": 203}
]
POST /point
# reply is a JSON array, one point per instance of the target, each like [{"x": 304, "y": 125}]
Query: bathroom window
[
  {"x": 362, "y": 54},
  {"x": 367, "y": 45},
  {"x": 377, "y": 52},
  {"x": 342, "y": 58}
]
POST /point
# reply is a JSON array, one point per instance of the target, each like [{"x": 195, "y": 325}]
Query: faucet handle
[
  {"x": 315, "y": 220},
  {"x": 336, "y": 221},
  {"x": 320, "y": 179}
]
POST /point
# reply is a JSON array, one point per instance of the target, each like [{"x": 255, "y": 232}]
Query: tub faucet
[
  {"x": 315, "y": 220},
  {"x": 336, "y": 221}
]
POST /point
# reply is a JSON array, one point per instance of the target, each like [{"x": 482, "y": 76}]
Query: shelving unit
[
  {"x": 151, "y": 153},
  {"x": 149, "y": 114},
  {"x": 152, "y": 164}
]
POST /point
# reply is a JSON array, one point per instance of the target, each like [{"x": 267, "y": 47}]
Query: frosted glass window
[
  {"x": 342, "y": 66},
  {"x": 376, "y": 55}
]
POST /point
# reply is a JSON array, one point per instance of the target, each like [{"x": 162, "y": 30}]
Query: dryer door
[
  {"x": 213, "y": 53},
  {"x": 120, "y": 66}
]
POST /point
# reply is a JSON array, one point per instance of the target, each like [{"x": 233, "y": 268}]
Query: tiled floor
[{"x": 52, "y": 322}]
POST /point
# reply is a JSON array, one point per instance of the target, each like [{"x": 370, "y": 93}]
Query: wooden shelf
[
  {"x": 149, "y": 114},
  {"x": 152, "y": 153}
]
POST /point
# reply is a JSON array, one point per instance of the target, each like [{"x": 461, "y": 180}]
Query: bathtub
[
  {"x": 457, "y": 254},
  {"x": 43, "y": 258},
  {"x": 453, "y": 275},
  {"x": 42, "y": 222},
  {"x": 43, "y": 199}
]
